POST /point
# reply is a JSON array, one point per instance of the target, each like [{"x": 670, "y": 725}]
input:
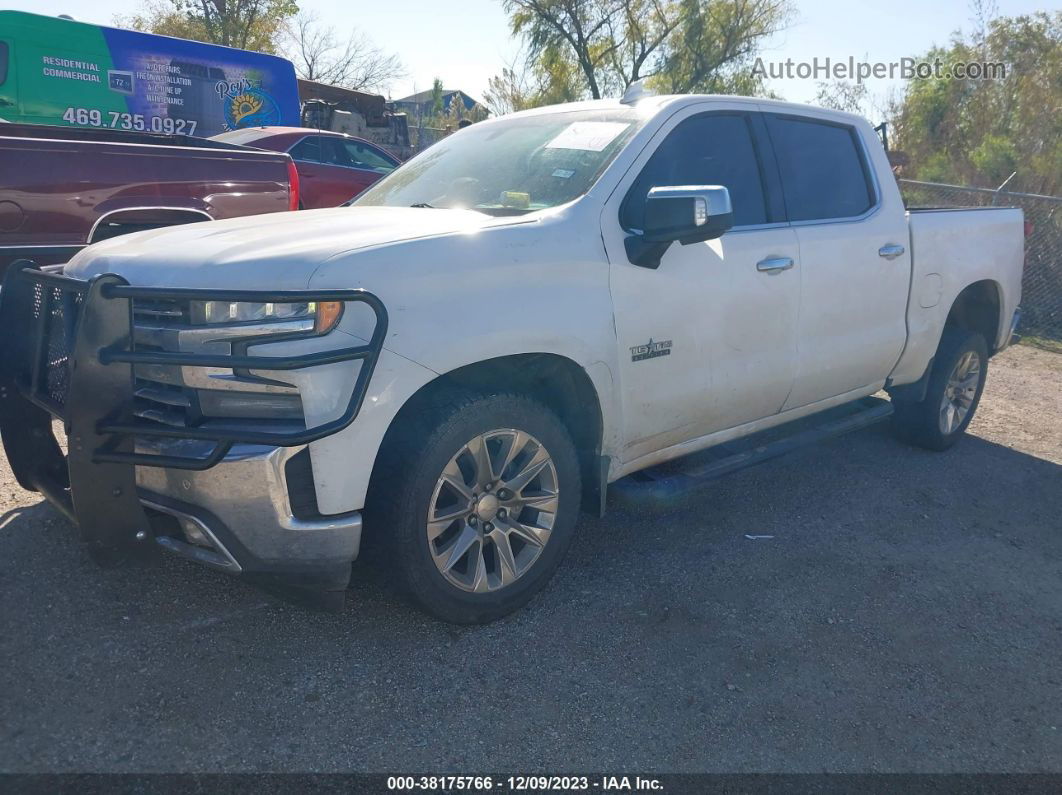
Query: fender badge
[{"x": 651, "y": 351}]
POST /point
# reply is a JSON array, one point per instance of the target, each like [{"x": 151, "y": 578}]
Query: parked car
[
  {"x": 535, "y": 307},
  {"x": 64, "y": 188},
  {"x": 333, "y": 167}
]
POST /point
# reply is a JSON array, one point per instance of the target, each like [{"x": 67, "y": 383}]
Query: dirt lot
[{"x": 906, "y": 615}]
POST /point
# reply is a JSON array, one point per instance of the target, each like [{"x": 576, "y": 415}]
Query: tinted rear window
[
  {"x": 3, "y": 62},
  {"x": 367, "y": 158},
  {"x": 334, "y": 153},
  {"x": 309, "y": 148},
  {"x": 823, "y": 172},
  {"x": 715, "y": 149}
]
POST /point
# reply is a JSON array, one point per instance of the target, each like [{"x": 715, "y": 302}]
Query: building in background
[{"x": 419, "y": 105}]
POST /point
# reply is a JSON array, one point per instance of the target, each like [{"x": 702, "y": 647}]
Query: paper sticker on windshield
[{"x": 589, "y": 136}]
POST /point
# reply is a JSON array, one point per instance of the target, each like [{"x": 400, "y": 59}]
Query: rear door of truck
[{"x": 855, "y": 263}]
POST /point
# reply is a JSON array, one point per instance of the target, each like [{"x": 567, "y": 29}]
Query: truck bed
[
  {"x": 952, "y": 249},
  {"x": 65, "y": 187},
  {"x": 109, "y": 135}
]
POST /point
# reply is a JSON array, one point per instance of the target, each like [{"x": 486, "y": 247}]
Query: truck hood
[{"x": 278, "y": 251}]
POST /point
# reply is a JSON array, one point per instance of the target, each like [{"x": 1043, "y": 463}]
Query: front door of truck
[
  {"x": 856, "y": 269},
  {"x": 707, "y": 339}
]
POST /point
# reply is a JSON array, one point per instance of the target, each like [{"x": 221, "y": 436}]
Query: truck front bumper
[
  {"x": 216, "y": 491},
  {"x": 238, "y": 517}
]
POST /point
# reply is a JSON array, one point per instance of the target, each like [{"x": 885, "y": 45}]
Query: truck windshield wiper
[{"x": 493, "y": 211}]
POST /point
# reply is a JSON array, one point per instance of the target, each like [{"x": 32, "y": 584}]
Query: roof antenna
[{"x": 636, "y": 91}]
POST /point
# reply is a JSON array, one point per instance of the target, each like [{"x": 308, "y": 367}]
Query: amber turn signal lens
[{"x": 327, "y": 316}]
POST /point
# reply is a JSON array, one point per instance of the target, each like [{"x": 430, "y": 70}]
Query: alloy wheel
[
  {"x": 492, "y": 510},
  {"x": 960, "y": 392}
]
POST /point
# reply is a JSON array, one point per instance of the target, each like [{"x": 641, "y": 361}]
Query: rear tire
[
  {"x": 952, "y": 396},
  {"x": 473, "y": 538}
]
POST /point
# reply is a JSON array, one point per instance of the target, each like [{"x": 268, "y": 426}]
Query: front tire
[
  {"x": 952, "y": 396},
  {"x": 476, "y": 500}
]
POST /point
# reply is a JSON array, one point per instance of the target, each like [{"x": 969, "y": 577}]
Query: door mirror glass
[{"x": 683, "y": 213}]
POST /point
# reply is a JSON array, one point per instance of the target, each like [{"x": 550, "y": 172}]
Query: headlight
[{"x": 325, "y": 314}]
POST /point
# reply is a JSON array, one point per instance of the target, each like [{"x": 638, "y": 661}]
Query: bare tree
[
  {"x": 982, "y": 13},
  {"x": 842, "y": 95},
  {"x": 320, "y": 55}
]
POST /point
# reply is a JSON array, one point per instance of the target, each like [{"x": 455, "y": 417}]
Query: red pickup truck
[{"x": 63, "y": 188}]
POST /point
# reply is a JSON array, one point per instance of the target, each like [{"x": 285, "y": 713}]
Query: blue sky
[{"x": 466, "y": 42}]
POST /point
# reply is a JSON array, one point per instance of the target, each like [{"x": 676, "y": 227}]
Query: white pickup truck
[{"x": 529, "y": 310}]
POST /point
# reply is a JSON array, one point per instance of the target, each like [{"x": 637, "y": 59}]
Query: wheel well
[
  {"x": 976, "y": 308},
  {"x": 122, "y": 222},
  {"x": 557, "y": 382}
]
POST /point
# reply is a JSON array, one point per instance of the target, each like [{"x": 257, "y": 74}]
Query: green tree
[
  {"x": 523, "y": 84},
  {"x": 509, "y": 91},
  {"x": 436, "y": 98},
  {"x": 679, "y": 45},
  {"x": 245, "y": 24},
  {"x": 979, "y": 132},
  {"x": 452, "y": 117},
  {"x": 712, "y": 48}
]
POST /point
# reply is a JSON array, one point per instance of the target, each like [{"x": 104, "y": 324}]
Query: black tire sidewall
[
  {"x": 478, "y": 415},
  {"x": 954, "y": 344}
]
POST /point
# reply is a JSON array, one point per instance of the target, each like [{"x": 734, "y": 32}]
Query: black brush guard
[{"x": 67, "y": 352}]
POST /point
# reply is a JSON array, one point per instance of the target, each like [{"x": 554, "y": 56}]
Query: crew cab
[
  {"x": 456, "y": 364},
  {"x": 65, "y": 188}
]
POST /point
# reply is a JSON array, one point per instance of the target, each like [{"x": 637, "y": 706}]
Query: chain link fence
[{"x": 1041, "y": 301}]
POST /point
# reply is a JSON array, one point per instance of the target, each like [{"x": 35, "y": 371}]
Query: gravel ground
[{"x": 905, "y": 616}]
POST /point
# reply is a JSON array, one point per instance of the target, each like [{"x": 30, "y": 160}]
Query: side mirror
[{"x": 687, "y": 214}]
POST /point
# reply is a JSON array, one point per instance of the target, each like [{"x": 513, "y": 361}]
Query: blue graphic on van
[
  {"x": 249, "y": 106},
  {"x": 215, "y": 87}
]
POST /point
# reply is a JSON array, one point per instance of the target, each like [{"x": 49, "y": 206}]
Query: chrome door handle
[
  {"x": 891, "y": 251},
  {"x": 774, "y": 264}
]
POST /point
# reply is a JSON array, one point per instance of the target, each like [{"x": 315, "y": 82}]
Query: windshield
[{"x": 510, "y": 166}]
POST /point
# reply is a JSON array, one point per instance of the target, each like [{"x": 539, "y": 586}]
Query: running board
[{"x": 681, "y": 477}]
